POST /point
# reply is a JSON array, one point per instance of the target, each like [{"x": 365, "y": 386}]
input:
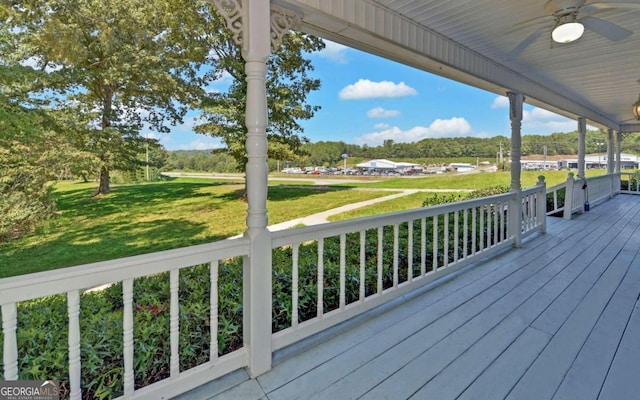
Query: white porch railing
[
  {"x": 72, "y": 282},
  {"x": 629, "y": 183},
  {"x": 323, "y": 274},
  {"x": 580, "y": 192},
  {"x": 352, "y": 266}
]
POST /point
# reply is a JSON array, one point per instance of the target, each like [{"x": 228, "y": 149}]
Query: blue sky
[{"x": 366, "y": 99}]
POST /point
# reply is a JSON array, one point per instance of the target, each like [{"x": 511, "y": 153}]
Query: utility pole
[{"x": 147, "y": 147}]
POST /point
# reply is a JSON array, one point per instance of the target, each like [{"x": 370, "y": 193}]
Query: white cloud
[
  {"x": 366, "y": 89},
  {"x": 381, "y": 125},
  {"x": 334, "y": 52},
  {"x": 200, "y": 144},
  {"x": 439, "y": 128},
  {"x": 538, "y": 120},
  {"x": 500, "y": 102},
  {"x": 380, "y": 112}
]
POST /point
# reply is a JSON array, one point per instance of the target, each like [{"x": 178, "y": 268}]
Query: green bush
[
  {"x": 42, "y": 333},
  {"x": 25, "y": 202}
]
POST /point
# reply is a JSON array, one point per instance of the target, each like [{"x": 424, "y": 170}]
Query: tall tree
[
  {"x": 28, "y": 153},
  {"x": 118, "y": 65},
  {"x": 288, "y": 85}
]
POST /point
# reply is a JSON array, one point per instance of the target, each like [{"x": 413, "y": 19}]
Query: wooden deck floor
[{"x": 558, "y": 318}]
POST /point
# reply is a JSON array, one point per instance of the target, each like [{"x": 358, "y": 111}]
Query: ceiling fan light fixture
[{"x": 567, "y": 32}]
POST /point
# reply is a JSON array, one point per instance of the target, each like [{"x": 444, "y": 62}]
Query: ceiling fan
[{"x": 568, "y": 19}]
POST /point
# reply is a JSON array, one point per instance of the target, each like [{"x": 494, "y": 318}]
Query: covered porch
[
  {"x": 558, "y": 318},
  {"x": 468, "y": 300}
]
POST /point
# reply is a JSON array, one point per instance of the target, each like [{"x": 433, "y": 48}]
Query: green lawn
[
  {"x": 400, "y": 204},
  {"x": 144, "y": 218},
  {"x": 149, "y": 217},
  {"x": 470, "y": 181}
]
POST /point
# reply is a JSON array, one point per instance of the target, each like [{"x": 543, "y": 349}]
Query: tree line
[{"x": 330, "y": 153}]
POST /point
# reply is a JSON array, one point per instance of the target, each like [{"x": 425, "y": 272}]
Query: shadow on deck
[{"x": 557, "y": 318}]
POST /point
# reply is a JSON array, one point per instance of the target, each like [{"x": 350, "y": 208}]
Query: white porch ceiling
[{"x": 471, "y": 41}]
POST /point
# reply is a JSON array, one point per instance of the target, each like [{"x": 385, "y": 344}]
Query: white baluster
[
  {"x": 497, "y": 221},
  {"x": 380, "y": 258},
  {"x": 10, "y": 346},
  {"x": 73, "y": 308},
  {"x": 396, "y": 235},
  {"x": 465, "y": 233},
  {"x": 343, "y": 246},
  {"x": 294, "y": 290},
  {"x": 213, "y": 312},
  {"x": 410, "y": 251},
  {"x": 435, "y": 242},
  {"x": 127, "y": 335},
  {"x": 320, "y": 310},
  {"x": 481, "y": 224},
  {"x": 474, "y": 227},
  {"x": 446, "y": 240},
  {"x": 363, "y": 263},
  {"x": 489, "y": 226},
  {"x": 174, "y": 323},
  {"x": 456, "y": 234},
  {"x": 423, "y": 246}
]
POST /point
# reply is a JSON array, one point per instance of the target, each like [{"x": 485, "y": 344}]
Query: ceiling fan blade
[
  {"x": 593, "y": 7},
  {"x": 528, "y": 23},
  {"x": 606, "y": 29},
  {"x": 526, "y": 42}
]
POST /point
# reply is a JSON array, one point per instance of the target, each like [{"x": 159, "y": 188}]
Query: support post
[
  {"x": 256, "y": 48},
  {"x": 582, "y": 134},
  {"x": 610, "y": 164},
  {"x": 610, "y": 149},
  {"x": 618, "y": 163},
  {"x": 258, "y": 28},
  {"x": 515, "y": 208},
  {"x": 568, "y": 197}
]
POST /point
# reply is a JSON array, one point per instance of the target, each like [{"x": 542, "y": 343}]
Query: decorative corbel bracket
[{"x": 281, "y": 21}]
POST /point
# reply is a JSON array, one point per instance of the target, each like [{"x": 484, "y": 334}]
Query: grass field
[
  {"x": 144, "y": 218},
  {"x": 150, "y": 217}
]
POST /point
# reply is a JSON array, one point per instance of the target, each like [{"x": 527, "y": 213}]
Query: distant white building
[
  {"x": 627, "y": 161},
  {"x": 383, "y": 165},
  {"x": 462, "y": 167}
]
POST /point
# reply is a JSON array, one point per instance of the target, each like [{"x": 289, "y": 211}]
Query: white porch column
[
  {"x": 618, "y": 163},
  {"x": 610, "y": 148},
  {"x": 258, "y": 28},
  {"x": 515, "y": 215},
  {"x": 610, "y": 163},
  {"x": 257, "y": 271},
  {"x": 582, "y": 134},
  {"x": 250, "y": 21}
]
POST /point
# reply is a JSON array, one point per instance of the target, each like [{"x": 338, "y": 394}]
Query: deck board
[{"x": 557, "y": 318}]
